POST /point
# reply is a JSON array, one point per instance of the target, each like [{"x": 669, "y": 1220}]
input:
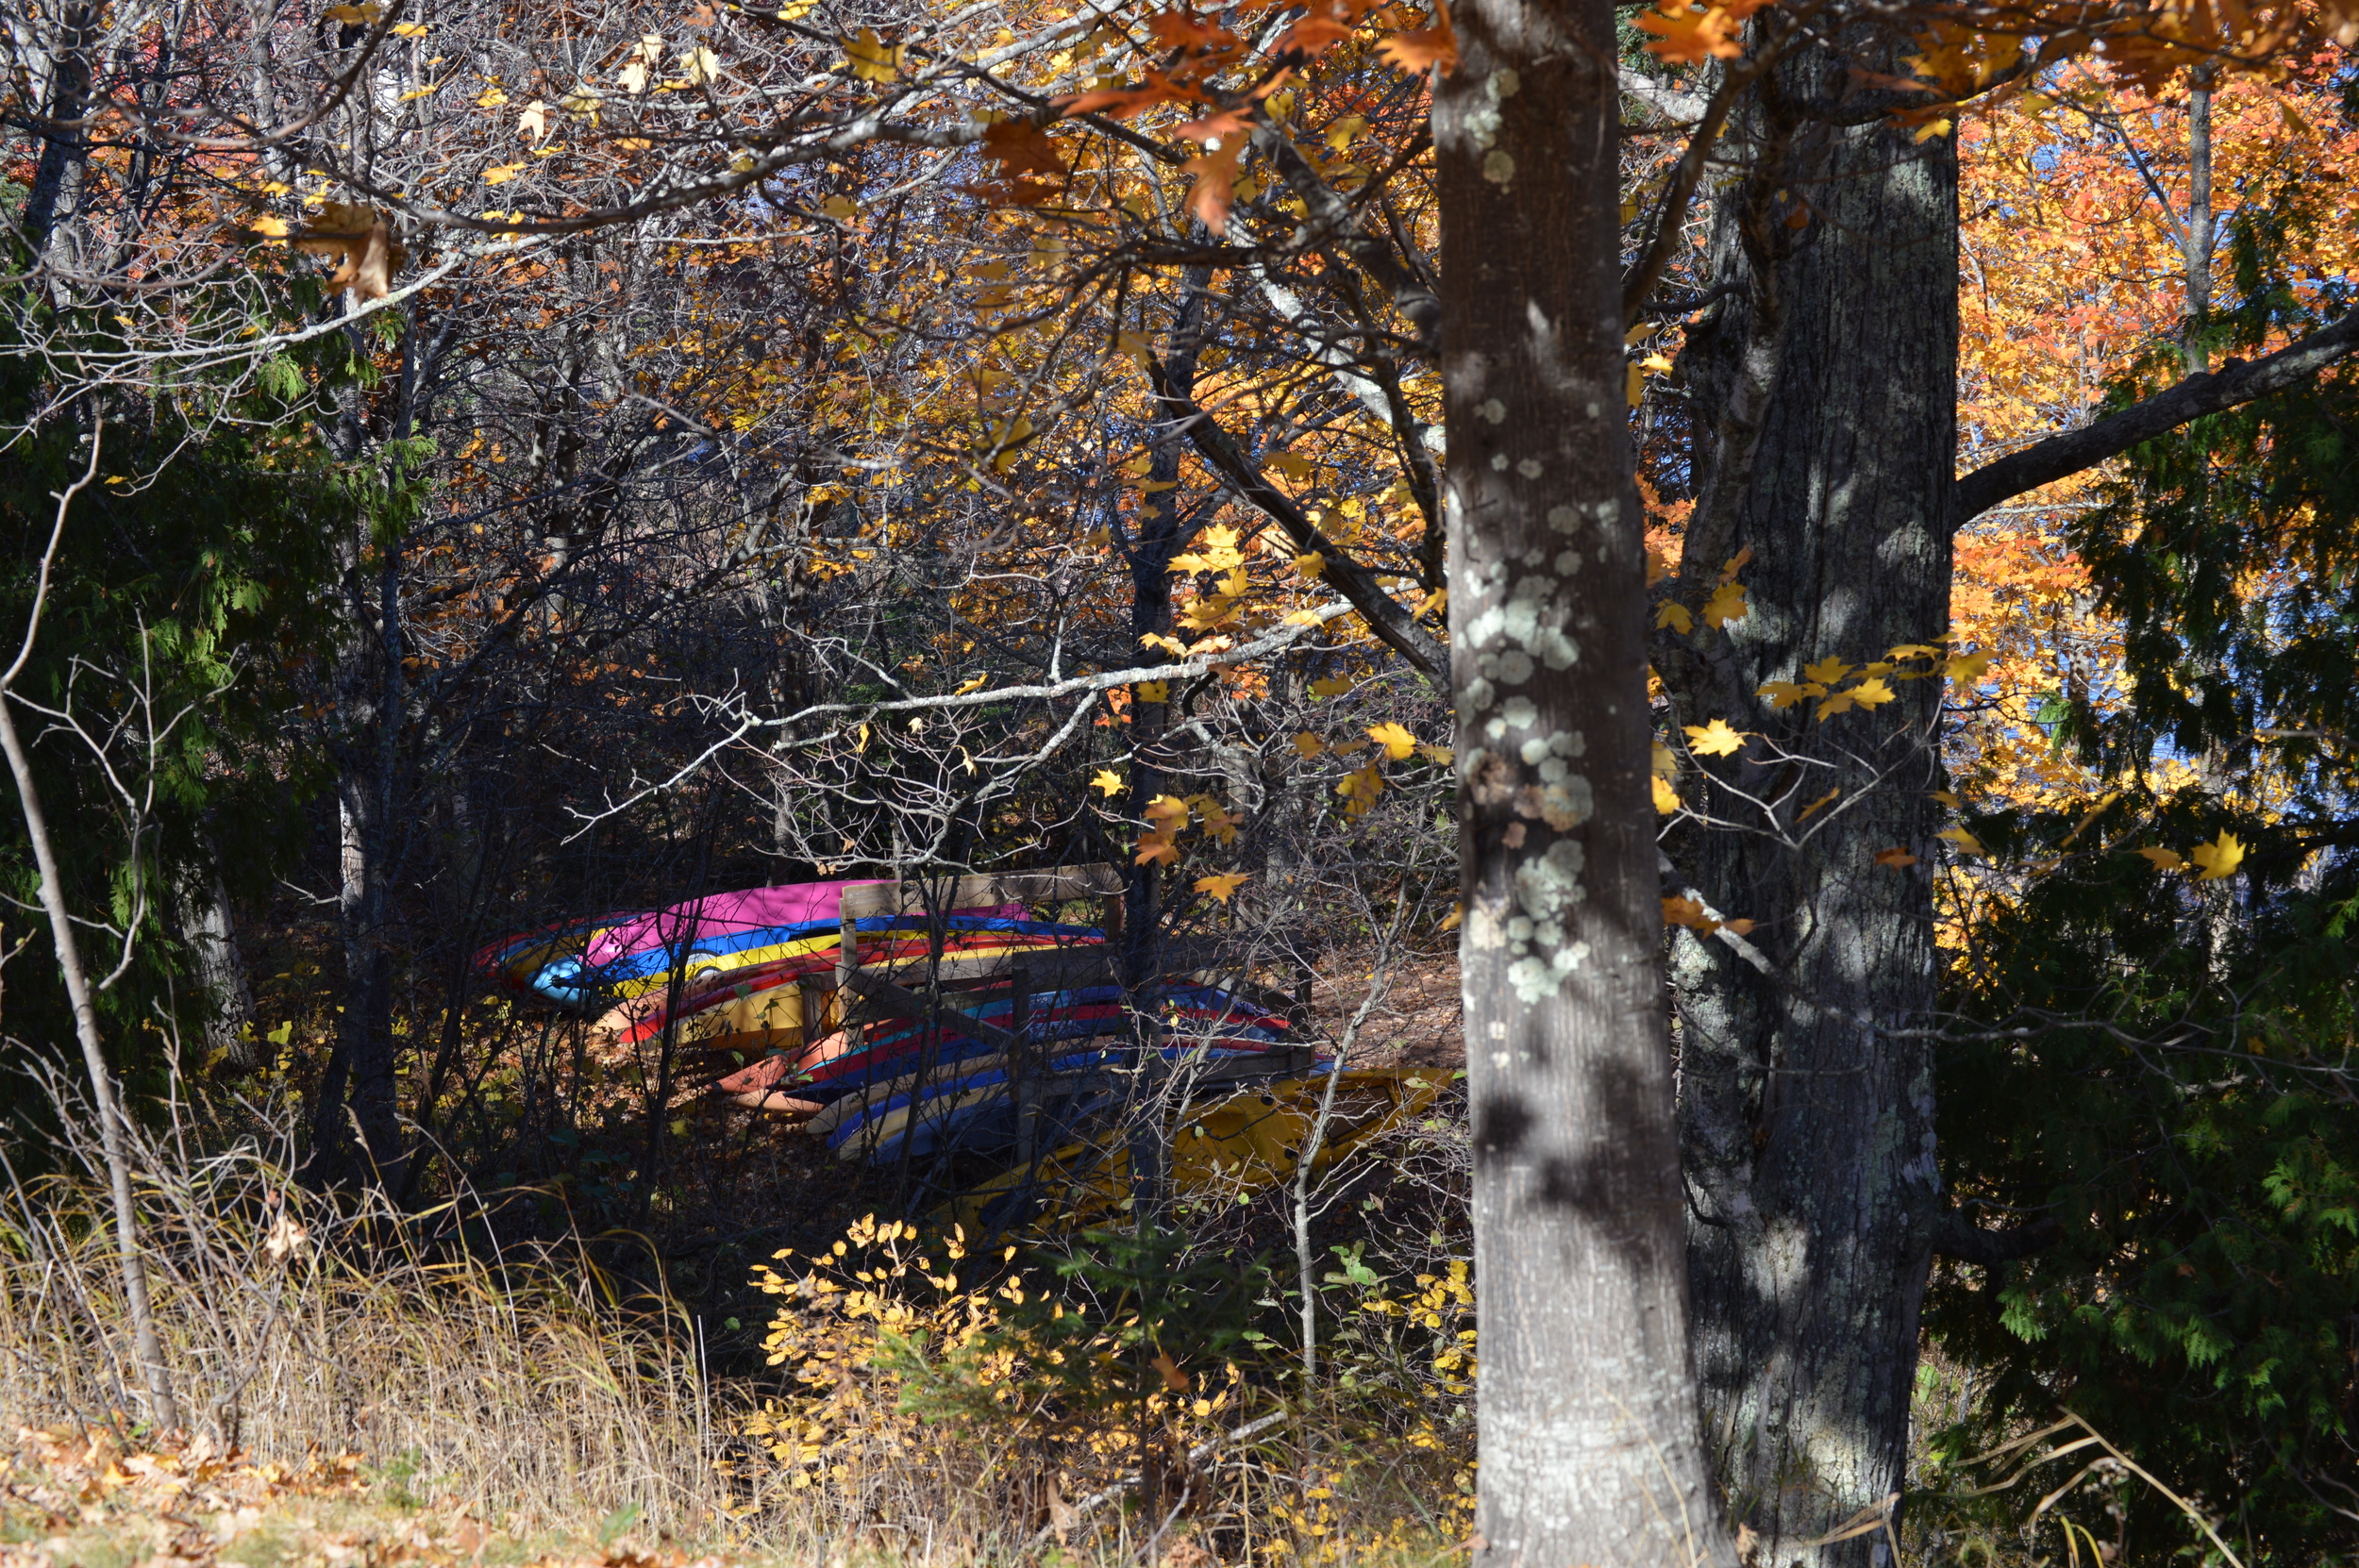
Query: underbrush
[{"x": 925, "y": 1402}]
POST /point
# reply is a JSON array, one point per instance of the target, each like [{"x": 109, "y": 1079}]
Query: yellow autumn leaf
[
  {"x": 1153, "y": 690},
  {"x": 975, "y": 685},
  {"x": 1664, "y": 762},
  {"x": 1333, "y": 686},
  {"x": 1896, "y": 858},
  {"x": 1965, "y": 668},
  {"x": 1966, "y": 841},
  {"x": 1457, "y": 914},
  {"x": 1666, "y": 799},
  {"x": 1871, "y": 693},
  {"x": 1784, "y": 694},
  {"x": 1715, "y": 739},
  {"x": 1841, "y": 702},
  {"x": 1397, "y": 743},
  {"x": 1676, "y": 616},
  {"x": 503, "y": 174},
  {"x": 1308, "y": 745},
  {"x": 1155, "y": 848},
  {"x": 270, "y": 227},
  {"x": 1688, "y": 912},
  {"x": 1727, "y": 604},
  {"x": 871, "y": 58},
  {"x": 1816, "y": 807},
  {"x": 1108, "y": 782},
  {"x": 1312, "y": 564},
  {"x": 2163, "y": 860},
  {"x": 2218, "y": 858},
  {"x": 411, "y": 29},
  {"x": 1945, "y": 797},
  {"x": 1827, "y": 671},
  {"x": 1223, "y": 887}
]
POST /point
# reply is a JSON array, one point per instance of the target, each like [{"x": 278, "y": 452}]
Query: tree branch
[
  {"x": 2233, "y": 384},
  {"x": 1385, "y": 615},
  {"x": 1956, "y": 1237}
]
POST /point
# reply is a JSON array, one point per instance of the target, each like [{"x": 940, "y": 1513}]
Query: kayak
[
  {"x": 581, "y": 982},
  {"x": 1220, "y": 1152},
  {"x": 511, "y": 962},
  {"x": 760, "y": 1005},
  {"x": 973, "y": 1110}
]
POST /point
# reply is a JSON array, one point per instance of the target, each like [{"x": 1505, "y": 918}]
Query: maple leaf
[
  {"x": 1965, "y": 668},
  {"x": 1687, "y": 35},
  {"x": 1360, "y": 789},
  {"x": 1966, "y": 841},
  {"x": 1727, "y": 604},
  {"x": 1108, "y": 781},
  {"x": 363, "y": 241},
  {"x": 1676, "y": 616},
  {"x": 1023, "y": 148},
  {"x": 1155, "y": 848},
  {"x": 1784, "y": 694},
  {"x": 1841, "y": 702},
  {"x": 975, "y": 685},
  {"x": 1423, "y": 49},
  {"x": 1223, "y": 887},
  {"x": 1219, "y": 822},
  {"x": 1827, "y": 671},
  {"x": 1894, "y": 857},
  {"x": 1308, "y": 745},
  {"x": 2218, "y": 858},
  {"x": 1664, "y": 762},
  {"x": 1666, "y": 799},
  {"x": 1313, "y": 36},
  {"x": 1333, "y": 686},
  {"x": 1688, "y": 912},
  {"x": 871, "y": 58},
  {"x": 2163, "y": 860},
  {"x": 1216, "y": 171},
  {"x": 1311, "y": 565},
  {"x": 1945, "y": 797},
  {"x": 1168, "y": 814},
  {"x": 1397, "y": 743},
  {"x": 1715, "y": 739},
  {"x": 1871, "y": 693}
]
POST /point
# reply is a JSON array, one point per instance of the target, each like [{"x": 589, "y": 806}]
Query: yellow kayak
[{"x": 1221, "y": 1150}]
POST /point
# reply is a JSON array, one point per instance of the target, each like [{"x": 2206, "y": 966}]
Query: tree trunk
[
  {"x": 1587, "y": 1403},
  {"x": 210, "y": 931},
  {"x": 1825, "y": 403}
]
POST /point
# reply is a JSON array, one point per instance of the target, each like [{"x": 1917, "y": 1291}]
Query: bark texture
[
  {"x": 1825, "y": 397},
  {"x": 1587, "y": 1404}
]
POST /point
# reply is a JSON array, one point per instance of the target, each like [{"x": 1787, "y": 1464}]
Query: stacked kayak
[
  {"x": 594, "y": 964},
  {"x": 760, "y": 1005},
  {"x": 894, "y": 1088}
]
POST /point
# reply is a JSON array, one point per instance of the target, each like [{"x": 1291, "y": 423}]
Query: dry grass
[{"x": 435, "y": 1377}]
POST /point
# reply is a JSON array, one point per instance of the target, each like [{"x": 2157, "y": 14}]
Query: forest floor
[{"x": 68, "y": 1501}]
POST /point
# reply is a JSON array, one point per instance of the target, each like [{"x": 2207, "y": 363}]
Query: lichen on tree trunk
[{"x": 1587, "y": 1406}]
